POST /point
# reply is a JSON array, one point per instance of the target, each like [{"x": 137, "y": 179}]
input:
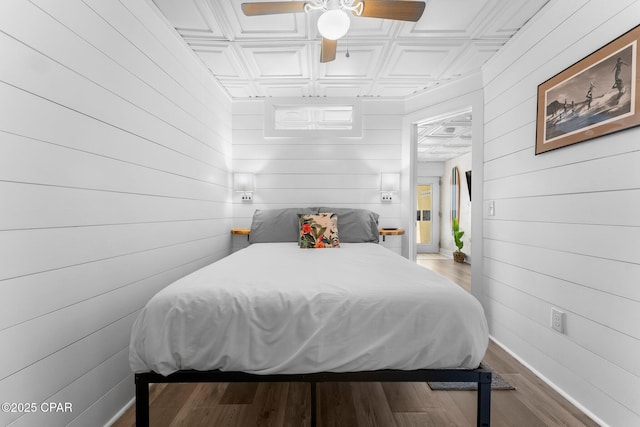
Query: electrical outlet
[
  {"x": 386, "y": 197},
  {"x": 557, "y": 320},
  {"x": 246, "y": 197}
]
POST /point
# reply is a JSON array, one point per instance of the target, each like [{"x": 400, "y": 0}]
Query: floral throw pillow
[{"x": 318, "y": 231}]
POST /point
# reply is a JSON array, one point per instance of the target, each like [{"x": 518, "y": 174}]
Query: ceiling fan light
[{"x": 333, "y": 24}]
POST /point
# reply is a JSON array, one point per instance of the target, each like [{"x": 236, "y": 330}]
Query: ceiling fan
[{"x": 334, "y": 21}]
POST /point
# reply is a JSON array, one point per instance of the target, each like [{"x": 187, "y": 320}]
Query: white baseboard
[
  {"x": 446, "y": 252},
  {"x": 551, "y": 384},
  {"x": 120, "y": 413}
]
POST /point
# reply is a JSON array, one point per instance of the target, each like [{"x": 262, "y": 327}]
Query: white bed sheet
[{"x": 274, "y": 308}]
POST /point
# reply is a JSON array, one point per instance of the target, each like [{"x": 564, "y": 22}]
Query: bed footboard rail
[{"x": 480, "y": 376}]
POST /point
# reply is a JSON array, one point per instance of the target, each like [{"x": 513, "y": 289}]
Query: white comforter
[{"x": 274, "y": 308}]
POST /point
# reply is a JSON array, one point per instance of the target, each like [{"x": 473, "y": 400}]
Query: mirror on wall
[{"x": 455, "y": 194}]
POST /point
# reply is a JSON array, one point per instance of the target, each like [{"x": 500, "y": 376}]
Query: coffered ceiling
[
  {"x": 444, "y": 137},
  {"x": 279, "y": 55}
]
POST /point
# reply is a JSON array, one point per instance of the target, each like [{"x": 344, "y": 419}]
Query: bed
[{"x": 347, "y": 310}]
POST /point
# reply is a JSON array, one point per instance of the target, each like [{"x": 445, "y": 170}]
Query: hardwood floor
[
  {"x": 533, "y": 403},
  {"x": 457, "y": 272}
]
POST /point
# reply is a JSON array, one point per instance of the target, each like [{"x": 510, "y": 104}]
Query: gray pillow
[
  {"x": 277, "y": 225},
  {"x": 355, "y": 225}
]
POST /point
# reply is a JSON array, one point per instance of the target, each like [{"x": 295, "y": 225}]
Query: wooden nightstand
[
  {"x": 384, "y": 232},
  {"x": 240, "y": 231},
  {"x": 238, "y": 242}
]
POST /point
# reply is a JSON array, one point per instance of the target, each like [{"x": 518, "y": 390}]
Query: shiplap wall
[
  {"x": 115, "y": 152},
  {"x": 320, "y": 171},
  {"x": 567, "y": 223}
]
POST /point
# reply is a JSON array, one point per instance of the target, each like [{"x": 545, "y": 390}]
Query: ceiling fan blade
[
  {"x": 328, "y": 51},
  {"x": 399, "y": 10},
  {"x": 273, "y": 7}
]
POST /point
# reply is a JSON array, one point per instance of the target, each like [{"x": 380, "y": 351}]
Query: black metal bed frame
[{"x": 480, "y": 376}]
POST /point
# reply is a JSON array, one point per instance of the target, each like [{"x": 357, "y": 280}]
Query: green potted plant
[{"x": 458, "y": 256}]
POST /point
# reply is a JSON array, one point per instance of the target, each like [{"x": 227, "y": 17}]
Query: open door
[{"x": 428, "y": 216}]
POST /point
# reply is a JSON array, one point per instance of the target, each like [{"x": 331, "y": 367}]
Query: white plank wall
[
  {"x": 320, "y": 171},
  {"x": 566, "y": 222},
  {"x": 115, "y": 156}
]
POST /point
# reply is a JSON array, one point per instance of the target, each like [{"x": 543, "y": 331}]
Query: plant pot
[{"x": 459, "y": 256}]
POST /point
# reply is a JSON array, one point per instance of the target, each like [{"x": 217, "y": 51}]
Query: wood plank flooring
[{"x": 533, "y": 403}]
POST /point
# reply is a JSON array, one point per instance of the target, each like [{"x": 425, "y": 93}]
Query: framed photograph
[{"x": 596, "y": 96}]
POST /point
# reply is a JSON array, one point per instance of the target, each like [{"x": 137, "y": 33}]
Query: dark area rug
[{"x": 497, "y": 382}]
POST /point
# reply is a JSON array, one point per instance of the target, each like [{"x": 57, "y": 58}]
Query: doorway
[
  {"x": 442, "y": 143},
  {"x": 428, "y": 215},
  {"x": 459, "y": 98}
]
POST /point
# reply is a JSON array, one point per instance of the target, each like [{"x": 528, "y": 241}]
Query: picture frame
[{"x": 596, "y": 96}]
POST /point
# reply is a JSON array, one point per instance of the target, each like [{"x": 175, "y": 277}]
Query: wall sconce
[
  {"x": 243, "y": 183},
  {"x": 389, "y": 184}
]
